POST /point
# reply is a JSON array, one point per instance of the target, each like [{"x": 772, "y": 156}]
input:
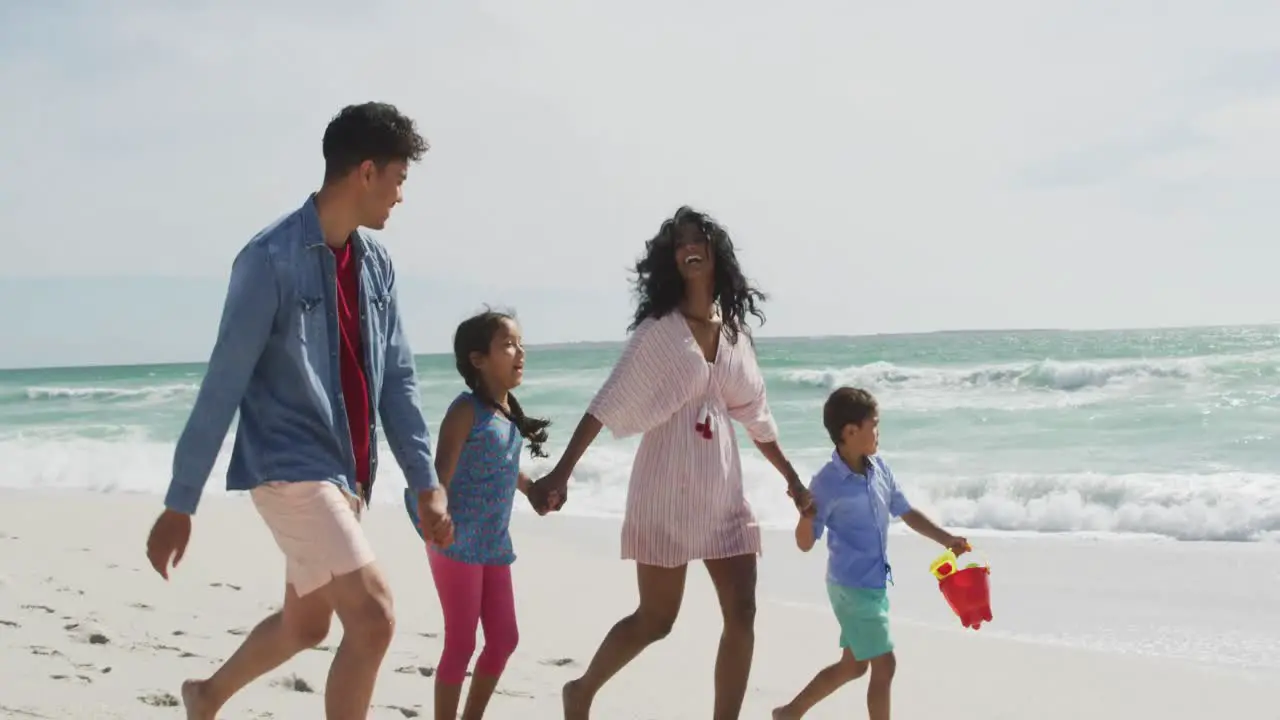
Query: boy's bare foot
[
  {"x": 784, "y": 713},
  {"x": 576, "y": 707},
  {"x": 193, "y": 699}
]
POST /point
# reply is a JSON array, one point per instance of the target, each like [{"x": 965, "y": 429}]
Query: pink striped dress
[{"x": 685, "y": 501}]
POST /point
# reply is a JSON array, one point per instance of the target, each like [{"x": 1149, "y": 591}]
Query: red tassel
[{"x": 703, "y": 427}]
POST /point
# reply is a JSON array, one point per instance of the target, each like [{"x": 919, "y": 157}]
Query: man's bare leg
[
  {"x": 661, "y": 592},
  {"x": 362, "y": 601},
  {"x": 735, "y": 581},
  {"x": 828, "y": 680},
  {"x": 302, "y": 623}
]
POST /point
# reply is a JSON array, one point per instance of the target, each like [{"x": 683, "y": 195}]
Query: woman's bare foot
[
  {"x": 784, "y": 713},
  {"x": 576, "y": 707},
  {"x": 193, "y": 699}
]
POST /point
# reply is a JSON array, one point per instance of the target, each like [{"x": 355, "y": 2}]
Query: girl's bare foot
[
  {"x": 576, "y": 707},
  {"x": 193, "y": 699},
  {"x": 784, "y": 713}
]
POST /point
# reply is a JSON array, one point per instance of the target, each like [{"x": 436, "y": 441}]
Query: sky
[{"x": 903, "y": 167}]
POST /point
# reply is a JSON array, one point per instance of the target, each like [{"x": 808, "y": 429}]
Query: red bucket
[{"x": 968, "y": 592}]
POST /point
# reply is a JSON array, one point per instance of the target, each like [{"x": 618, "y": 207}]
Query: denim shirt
[
  {"x": 276, "y": 360},
  {"x": 853, "y": 510}
]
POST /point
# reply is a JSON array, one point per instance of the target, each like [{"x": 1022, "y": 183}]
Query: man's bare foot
[
  {"x": 576, "y": 707},
  {"x": 193, "y": 699},
  {"x": 784, "y": 713}
]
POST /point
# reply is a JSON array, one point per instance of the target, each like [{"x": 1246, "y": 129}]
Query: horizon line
[{"x": 579, "y": 343}]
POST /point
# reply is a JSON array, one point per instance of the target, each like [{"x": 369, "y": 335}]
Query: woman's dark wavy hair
[
  {"x": 659, "y": 288},
  {"x": 475, "y": 334}
]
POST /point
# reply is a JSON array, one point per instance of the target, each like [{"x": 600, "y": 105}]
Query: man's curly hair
[{"x": 370, "y": 131}]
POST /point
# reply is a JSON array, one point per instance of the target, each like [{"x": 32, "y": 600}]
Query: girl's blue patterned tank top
[{"x": 482, "y": 490}]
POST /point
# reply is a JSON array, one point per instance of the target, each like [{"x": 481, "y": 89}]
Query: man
[{"x": 312, "y": 350}]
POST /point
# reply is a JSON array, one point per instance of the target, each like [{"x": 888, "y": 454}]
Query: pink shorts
[{"x": 317, "y": 526}]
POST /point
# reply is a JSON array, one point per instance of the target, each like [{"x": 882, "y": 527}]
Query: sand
[{"x": 88, "y": 630}]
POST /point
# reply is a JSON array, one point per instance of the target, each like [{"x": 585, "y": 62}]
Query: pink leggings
[{"x": 472, "y": 595}]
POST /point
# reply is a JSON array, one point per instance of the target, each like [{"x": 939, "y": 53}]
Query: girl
[{"x": 478, "y": 461}]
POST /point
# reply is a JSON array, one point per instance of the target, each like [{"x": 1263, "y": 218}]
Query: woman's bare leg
[
  {"x": 735, "y": 582},
  {"x": 661, "y": 591}
]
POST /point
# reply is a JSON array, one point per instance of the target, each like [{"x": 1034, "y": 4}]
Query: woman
[{"x": 688, "y": 368}]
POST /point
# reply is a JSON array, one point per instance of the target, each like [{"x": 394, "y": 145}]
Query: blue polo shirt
[{"x": 853, "y": 511}]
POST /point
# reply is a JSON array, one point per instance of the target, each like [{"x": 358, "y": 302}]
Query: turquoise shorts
[{"x": 863, "y": 614}]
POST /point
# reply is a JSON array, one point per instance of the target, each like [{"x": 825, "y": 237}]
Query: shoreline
[
  {"x": 381, "y": 502},
  {"x": 72, "y": 566}
]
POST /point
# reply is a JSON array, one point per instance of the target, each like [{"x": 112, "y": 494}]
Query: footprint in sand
[
  {"x": 558, "y": 662},
  {"x": 163, "y": 699},
  {"x": 238, "y": 631},
  {"x": 407, "y": 712},
  {"x": 43, "y": 608},
  {"x": 163, "y": 648},
  {"x": 294, "y": 683},
  {"x": 45, "y": 651},
  {"x": 8, "y": 711},
  {"x": 86, "y": 634},
  {"x": 9, "y": 623},
  {"x": 513, "y": 694},
  {"x": 423, "y": 670},
  {"x": 141, "y": 606},
  {"x": 225, "y": 585},
  {"x": 84, "y": 679}
]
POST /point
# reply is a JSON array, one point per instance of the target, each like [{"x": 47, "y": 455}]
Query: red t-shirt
[{"x": 355, "y": 388}]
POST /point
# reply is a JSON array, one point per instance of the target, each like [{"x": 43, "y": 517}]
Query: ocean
[{"x": 1172, "y": 433}]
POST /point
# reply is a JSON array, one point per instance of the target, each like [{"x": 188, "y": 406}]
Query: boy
[{"x": 854, "y": 496}]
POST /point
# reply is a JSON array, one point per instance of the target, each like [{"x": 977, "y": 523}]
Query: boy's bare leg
[
  {"x": 661, "y": 592},
  {"x": 882, "y": 669},
  {"x": 828, "y": 680},
  {"x": 362, "y": 601},
  {"x": 302, "y": 623}
]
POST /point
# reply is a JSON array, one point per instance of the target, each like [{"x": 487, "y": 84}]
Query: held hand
[
  {"x": 550, "y": 492},
  {"x": 800, "y": 495},
  {"x": 546, "y": 504},
  {"x": 958, "y": 545},
  {"x": 541, "y": 504},
  {"x": 168, "y": 540},
  {"x": 433, "y": 513}
]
